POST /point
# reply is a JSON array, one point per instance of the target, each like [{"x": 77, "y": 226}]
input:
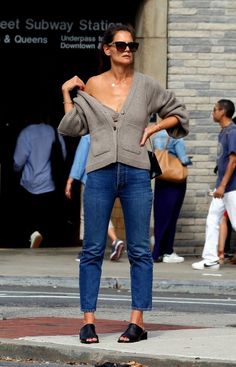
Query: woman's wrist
[
  {"x": 158, "y": 127},
  {"x": 67, "y": 97},
  {"x": 67, "y": 101}
]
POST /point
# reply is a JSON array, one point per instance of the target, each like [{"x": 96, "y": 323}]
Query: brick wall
[{"x": 201, "y": 70}]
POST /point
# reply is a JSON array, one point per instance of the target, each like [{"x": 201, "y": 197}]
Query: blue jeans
[{"x": 133, "y": 187}]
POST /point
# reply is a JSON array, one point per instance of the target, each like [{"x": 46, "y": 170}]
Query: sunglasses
[{"x": 121, "y": 46}]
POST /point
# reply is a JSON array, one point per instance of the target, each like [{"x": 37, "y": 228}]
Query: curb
[{"x": 86, "y": 355}]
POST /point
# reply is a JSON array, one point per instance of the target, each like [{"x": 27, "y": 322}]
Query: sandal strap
[
  {"x": 88, "y": 332},
  {"x": 133, "y": 332}
]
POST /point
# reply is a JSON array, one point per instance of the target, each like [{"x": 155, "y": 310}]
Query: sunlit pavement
[{"x": 56, "y": 338}]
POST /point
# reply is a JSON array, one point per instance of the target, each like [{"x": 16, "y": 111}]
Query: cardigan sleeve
[
  {"x": 164, "y": 102},
  {"x": 74, "y": 122}
]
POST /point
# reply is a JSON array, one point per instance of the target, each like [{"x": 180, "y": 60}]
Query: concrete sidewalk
[{"x": 56, "y": 339}]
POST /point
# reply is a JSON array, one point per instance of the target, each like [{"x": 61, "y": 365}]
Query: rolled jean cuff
[{"x": 142, "y": 309}]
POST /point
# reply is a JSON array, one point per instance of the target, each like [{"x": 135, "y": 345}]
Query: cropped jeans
[{"x": 133, "y": 187}]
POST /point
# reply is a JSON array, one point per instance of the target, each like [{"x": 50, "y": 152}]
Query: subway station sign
[{"x": 53, "y": 33}]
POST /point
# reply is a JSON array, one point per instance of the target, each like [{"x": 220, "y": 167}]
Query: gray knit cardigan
[{"x": 118, "y": 139}]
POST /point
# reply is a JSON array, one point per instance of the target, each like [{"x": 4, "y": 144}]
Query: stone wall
[{"x": 201, "y": 70}]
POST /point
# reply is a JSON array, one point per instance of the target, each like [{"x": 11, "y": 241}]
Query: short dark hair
[
  {"x": 108, "y": 37},
  {"x": 113, "y": 29},
  {"x": 227, "y": 106}
]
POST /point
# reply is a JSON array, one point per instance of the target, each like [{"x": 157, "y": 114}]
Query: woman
[
  {"x": 168, "y": 200},
  {"x": 114, "y": 107}
]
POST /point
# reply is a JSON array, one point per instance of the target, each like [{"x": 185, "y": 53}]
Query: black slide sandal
[
  {"x": 133, "y": 333},
  {"x": 88, "y": 332}
]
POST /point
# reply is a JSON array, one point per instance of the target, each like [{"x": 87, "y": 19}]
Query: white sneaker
[
  {"x": 117, "y": 250},
  {"x": 78, "y": 257},
  {"x": 172, "y": 258},
  {"x": 35, "y": 239},
  {"x": 206, "y": 265}
]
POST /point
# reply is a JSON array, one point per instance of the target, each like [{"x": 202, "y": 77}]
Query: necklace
[{"x": 119, "y": 82}]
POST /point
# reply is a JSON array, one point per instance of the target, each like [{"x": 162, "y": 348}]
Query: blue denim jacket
[
  {"x": 78, "y": 169},
  {"x": 174, "y": 146}
]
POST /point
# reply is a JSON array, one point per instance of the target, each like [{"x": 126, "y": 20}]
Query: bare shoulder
[{"x": 93, "y": 84}]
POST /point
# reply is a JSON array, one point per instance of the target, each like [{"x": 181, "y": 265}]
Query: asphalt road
[{"x": 17, "y": 301}]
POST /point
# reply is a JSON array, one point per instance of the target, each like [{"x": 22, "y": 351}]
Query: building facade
[{"x": 189, "y": 46}]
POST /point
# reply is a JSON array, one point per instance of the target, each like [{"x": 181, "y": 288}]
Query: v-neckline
[{"x": 127, "y": 99}]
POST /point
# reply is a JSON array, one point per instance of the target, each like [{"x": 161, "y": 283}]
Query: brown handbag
[{"x": 172, "y": 168}]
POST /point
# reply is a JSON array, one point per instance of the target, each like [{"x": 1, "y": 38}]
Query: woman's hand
[
  {"x": 148, "y": 131},
  {"x": 67, "y": 87},
  {"x": 72, "y": 83},
  {"x": 166, "y": 123}
]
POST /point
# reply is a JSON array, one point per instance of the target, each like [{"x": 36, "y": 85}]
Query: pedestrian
[
  {"x": 38, "y": 195},
  {"x": 224, "y": 194},
  {"x": 78, "y": 172},
  {"x": 114, "y": 107},
  {"x": 168, "y": 200}
]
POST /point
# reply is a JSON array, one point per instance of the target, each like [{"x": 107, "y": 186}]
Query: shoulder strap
[{"x": 150, "y": 142}]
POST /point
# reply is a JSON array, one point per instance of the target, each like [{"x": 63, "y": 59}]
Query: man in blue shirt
[
  {"x": 38, "y": 193},
  {"x": 224, "y": 195}
]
